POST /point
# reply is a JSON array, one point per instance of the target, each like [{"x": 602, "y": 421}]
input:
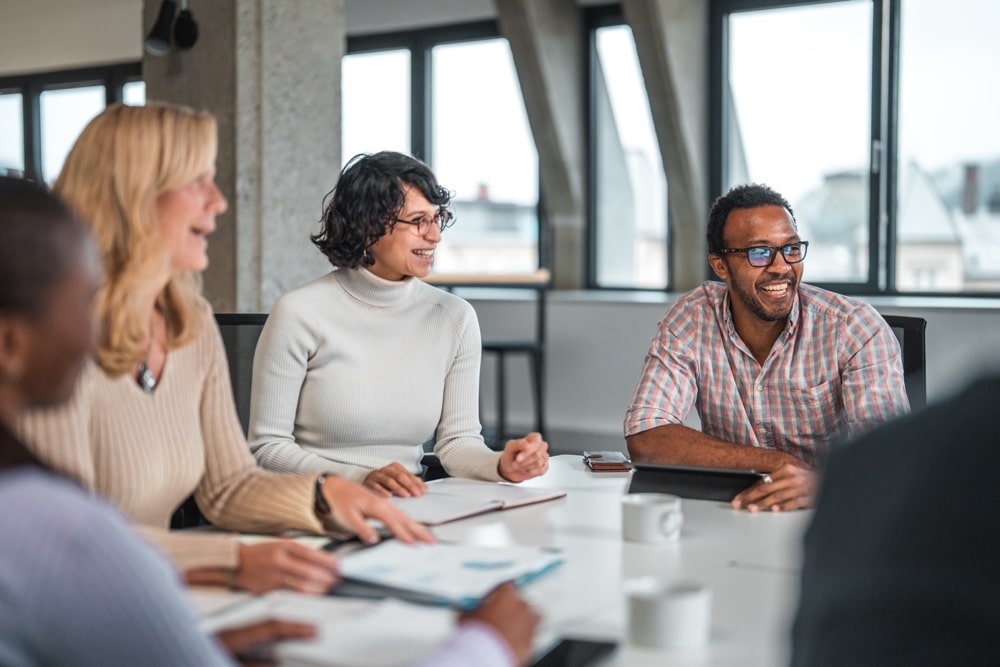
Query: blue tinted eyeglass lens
[{"x": 759, "y": 256}]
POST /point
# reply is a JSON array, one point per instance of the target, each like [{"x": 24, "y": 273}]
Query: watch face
[{"x": 321, "y": 506}]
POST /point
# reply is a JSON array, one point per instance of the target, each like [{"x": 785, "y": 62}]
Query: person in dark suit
[{"x": 902, "y": 559}]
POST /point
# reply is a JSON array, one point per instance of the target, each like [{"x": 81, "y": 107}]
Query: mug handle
[{"x": 670, "y": 522}]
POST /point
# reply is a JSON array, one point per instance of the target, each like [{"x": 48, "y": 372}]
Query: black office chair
[
  {"x": 240, "y": 332},
  {"x": 911, "y": 332}
]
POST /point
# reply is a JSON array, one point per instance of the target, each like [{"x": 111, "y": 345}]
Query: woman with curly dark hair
[{"x": 356, "y": 370}]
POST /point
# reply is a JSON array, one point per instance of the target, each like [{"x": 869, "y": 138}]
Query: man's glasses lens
[{"x": 764, "y": 255}]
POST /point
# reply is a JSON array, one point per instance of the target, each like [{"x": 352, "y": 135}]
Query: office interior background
[{"x": 585, "y": 137}]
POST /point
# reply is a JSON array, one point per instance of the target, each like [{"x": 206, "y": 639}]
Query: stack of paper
[
  {"x": 456, "y": 575},
  {"x": 355, "y": 633}
]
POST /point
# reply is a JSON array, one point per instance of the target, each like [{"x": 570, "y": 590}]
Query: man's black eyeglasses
[
  {"x": 763, "y": 256},
  {"x": 444, "y": 219}
]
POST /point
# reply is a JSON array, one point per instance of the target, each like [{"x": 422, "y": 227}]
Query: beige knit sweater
[{"x": 147, "y": 453}]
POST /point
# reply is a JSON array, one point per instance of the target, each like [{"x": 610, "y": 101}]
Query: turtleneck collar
[{"x": 368, "y": 288}]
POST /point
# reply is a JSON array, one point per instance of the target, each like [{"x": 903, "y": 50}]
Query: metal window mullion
[
  {"x": 420, "y": 94},
  {"x": 32, "y": 124},
  {"x": 879, "y": 238},
  {"x": 890, "y": 139}
]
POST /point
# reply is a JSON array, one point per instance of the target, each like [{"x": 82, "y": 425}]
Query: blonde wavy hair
[{"x": 123, "y": 160}]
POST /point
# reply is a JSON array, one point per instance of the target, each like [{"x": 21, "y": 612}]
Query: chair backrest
[
  {"x": 240, "y": 332},
  {"x": 912, "y": 335}
]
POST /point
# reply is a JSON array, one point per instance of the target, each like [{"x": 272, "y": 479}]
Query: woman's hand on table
[
  {"x": 285, "y": 564},
  {"x": 352, "y": 504},
  {"x": 394, "y": 479},
  {"x": 524, "y": 458}
]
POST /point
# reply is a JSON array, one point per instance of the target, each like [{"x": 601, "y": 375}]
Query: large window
[
  {"x": 876, "y": 119},
  {"x": 41, "y": 115},
  {"x": 11, "y": 135},
  {"x": 799, "y": 119},
  {"x": 451, "y": 97},
  {"x": 376, "y": 102},
  {"x": 948, "y": 162},
  {"x": 629, "y": 201},
  {"x": 65, "y": 112}
]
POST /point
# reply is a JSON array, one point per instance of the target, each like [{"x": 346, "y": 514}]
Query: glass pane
[
  {"x": 376, "y": 103},
  {"x": 631, "y": 188},
  {"x": 11, "y": 135},
  {"x": 64, "y": 114},
  {"x": 134, "y": 93},
  {"x": 948, "y": 182},
  {"x": 798, "y": 118},
  {"x": 483, "y": 151}
]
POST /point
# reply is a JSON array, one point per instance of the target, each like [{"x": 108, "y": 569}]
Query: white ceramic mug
[
  {"x": 668, "y": 615},
  {"x": 651, "y": 517}
]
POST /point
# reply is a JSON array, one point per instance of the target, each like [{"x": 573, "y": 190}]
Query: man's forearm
[{"x": 680, "y": 445}]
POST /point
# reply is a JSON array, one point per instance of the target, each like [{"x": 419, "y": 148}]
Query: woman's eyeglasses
[
  {"x": 444, "y": 219},
  {"x": 763, "y": 256}
]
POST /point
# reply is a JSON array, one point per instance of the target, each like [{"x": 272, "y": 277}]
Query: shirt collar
[{"x": 791, "y": 324}]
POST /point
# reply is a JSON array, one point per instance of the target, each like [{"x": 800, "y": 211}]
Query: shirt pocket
[{"x": 815, "y": 413}]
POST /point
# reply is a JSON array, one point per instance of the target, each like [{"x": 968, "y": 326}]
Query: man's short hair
[{"x": 747, "y": 195}]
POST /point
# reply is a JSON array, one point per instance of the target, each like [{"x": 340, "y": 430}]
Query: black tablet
[
  {"x": 691, "y": 482},
  {"x": 575, "y": 653}
]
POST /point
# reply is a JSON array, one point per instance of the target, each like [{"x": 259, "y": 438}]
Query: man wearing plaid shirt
[{"x": 777, "y": 370}]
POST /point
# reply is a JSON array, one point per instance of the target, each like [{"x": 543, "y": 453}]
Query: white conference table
[{"x": 750, "y": 562}]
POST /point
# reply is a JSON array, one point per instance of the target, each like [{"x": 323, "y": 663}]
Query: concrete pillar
[
  {"x": 546, "y": 39},
  {"x": 270, "y": 72},
  {"x": 671, "y": 38}
]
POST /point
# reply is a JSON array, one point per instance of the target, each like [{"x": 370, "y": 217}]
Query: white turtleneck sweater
[{"x": 353, "y": 372}]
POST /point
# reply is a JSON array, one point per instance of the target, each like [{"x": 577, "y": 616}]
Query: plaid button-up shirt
[{"x": 834, "y": 372}]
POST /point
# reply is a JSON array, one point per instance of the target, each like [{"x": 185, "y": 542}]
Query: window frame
[
  {"x": 883, "y": 168},
  {"x": 596, "y": 17},
  {"x": 421, "y": 42},
  {"x": 31, "y": 86}
]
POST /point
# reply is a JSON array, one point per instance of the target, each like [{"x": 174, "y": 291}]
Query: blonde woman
[{"x": 153, "y": 418}]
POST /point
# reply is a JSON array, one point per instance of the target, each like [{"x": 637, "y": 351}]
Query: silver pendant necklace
[{"x": 146, "y": 379}]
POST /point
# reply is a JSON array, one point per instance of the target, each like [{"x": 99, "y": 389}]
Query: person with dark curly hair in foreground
[{"x": 356, "y": 370}]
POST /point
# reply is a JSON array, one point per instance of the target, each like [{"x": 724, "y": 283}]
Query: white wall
[
  {"x": 596, "y": 344},
  {"x": 47, "y": 35}
]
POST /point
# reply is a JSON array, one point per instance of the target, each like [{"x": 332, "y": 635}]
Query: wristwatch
[{"x": 320, "y": 506}]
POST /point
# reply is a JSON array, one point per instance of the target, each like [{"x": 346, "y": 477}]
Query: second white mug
[{"x": 651, "y": 517}]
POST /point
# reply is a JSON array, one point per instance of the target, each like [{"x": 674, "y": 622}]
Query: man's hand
[
  {"x": 791, "y": 487},
  {"x": 511, "y": 617},
  {"x": 351, "y": 504},
  {"x": 524, "y": 458},
  {"x": 396, "y": 480},
  {"x": 250, "y": 644},
  {"x": 285, "y": 564}
]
